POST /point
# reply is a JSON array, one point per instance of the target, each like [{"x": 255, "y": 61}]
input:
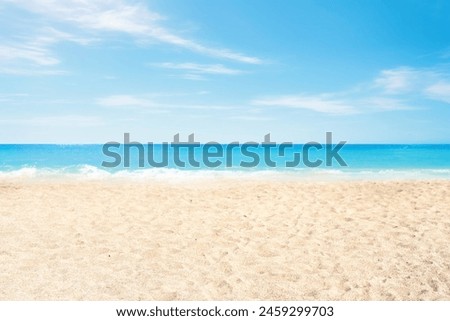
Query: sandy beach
[{"x": 225, "y": 240}]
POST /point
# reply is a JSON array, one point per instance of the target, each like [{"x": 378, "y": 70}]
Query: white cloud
[
  {"x": 9, "y": 98},
  {"x": 337, "y": 103},
  {"x": 393, "y": 89},
  {"x": 24, "y": 71},
  {"x": 48, "y": 36},
  {"x": 193, "y": 77},
  {"x": 428, "y": 83},
  {"x": 439, "y": 91},
  {"x": 381, "y": 103},
  {"x": 124, "y": 101},
  {"x": 146, "y": 103},
  {"x": 33, "y": 54},
  {"x": 398, "y": 80},
  {"x": 56, "y": 121},
  {"x": 319, "y": 103},
  {"x": 134, "y": 19},
  {"x": 200, "y": 68},
  {"x": 30, "y": 53},
  {"x": 251, "y": 118}
]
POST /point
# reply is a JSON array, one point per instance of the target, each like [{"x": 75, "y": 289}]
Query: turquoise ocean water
[{"x": 363, "y": 161}]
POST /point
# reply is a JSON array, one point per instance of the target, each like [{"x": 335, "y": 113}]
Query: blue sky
[{"x": 81, "y": 71}]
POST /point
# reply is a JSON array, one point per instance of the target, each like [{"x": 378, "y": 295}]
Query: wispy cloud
[
  {"x": 33, "y": 54},
  {"x": 319, "y": 103},
  {"x": 56, "y": 121},
  {"x": 439, "y": 91},
  {"x": 396, "y": 80},
  {"x": 37, "y": 55},
  {"x": 338, "y": 103},
  {"x": 251, "y": 118},
  {"x": 141, "y": 104},
  {"x": 196, "y": 77},
  {"x": 134, "y": 19},
  {"x": 48, "y": 36},
  {"x": 199, "y": 68},
  {"x": 428, "y": 83},
  {"x": 380, "y": 103},
  {"x": 148, "y": 103},
  {"x": 20, "y": 70},
  {"x": 405, "y": 79},
  {"x": 125, "y": 101},
  {"x": 393, "y": 89},
  {"x": 12, "y": 97}
]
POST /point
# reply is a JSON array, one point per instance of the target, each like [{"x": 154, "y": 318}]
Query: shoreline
[{"x": 173, "y": 175}]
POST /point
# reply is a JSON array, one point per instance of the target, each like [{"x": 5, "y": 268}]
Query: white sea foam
[{"x": 88, "y": 172}]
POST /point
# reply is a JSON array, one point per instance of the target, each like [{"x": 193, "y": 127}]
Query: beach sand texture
[{"x": 225, "y": 240}]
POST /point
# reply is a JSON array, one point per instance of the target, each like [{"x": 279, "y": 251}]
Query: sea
[{"x": 351, "y": 161}]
